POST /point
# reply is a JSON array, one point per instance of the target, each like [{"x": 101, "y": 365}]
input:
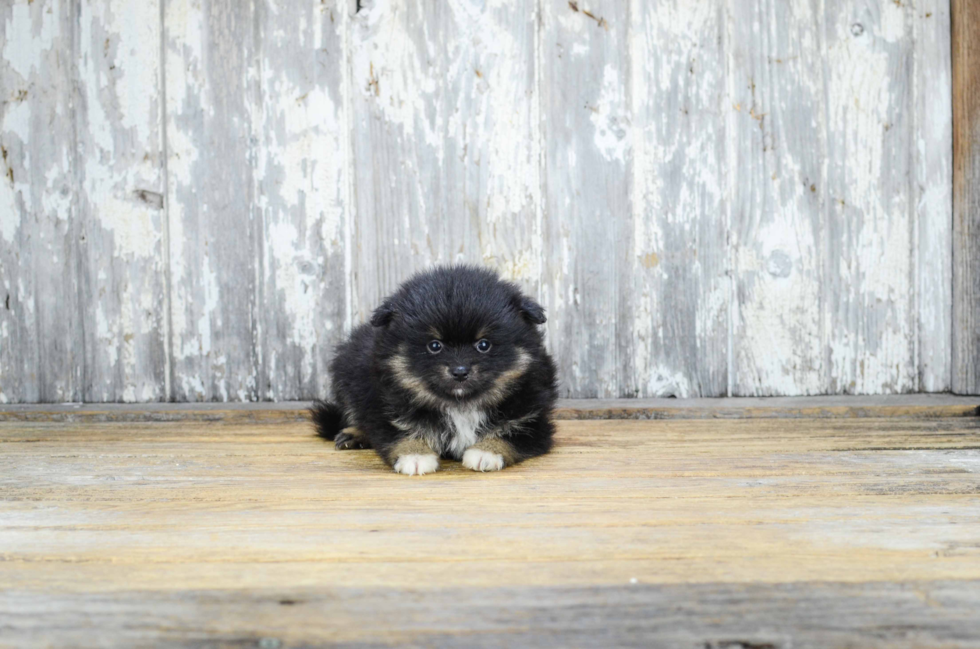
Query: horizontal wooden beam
[
  {"x": 906, "y": 405},
  {"x": 713, "y": 615}
]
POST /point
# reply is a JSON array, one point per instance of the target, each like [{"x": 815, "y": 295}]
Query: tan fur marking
[
  {"x": 354, "y": 432},
  {"x": 410, "y": 446},
  {"x": 516, "y": 372},
  {"x": 499, "y": 446},
  {"x": 420, "y": 393},
  {"x": 503, "y": 384}
]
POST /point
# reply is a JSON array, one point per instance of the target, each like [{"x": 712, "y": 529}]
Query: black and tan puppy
[{"x": 452, "y": 365}]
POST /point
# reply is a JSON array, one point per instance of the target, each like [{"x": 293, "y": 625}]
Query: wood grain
[
  {"x": 839, "y": 257},
  {"x": 587, "y": 135},
  {"x": 120, "y": 202},
  {"x": 868, "y": 203},
  {"x": 445, "y": 147},
  {"x": 678, "y": 63},
  {"x": 710, "y": 616},
  {"x": 932, "y": 193},
  {"x": 769, "y": 531},
  {"x": 711, "y": 199},
  {"x": 215, "y": 242},
  {"x": 302, "y": 178},
  {"x": 921, "y": 406},
  {"x": 966, "y": 197},
  {"x": 41, "y": 332},
  {"x": 776, "y": 169}
]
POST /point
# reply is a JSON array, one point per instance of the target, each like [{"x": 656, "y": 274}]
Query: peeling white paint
[
  {"x": 893, "y": 16},
  {"x": 858, "y": 102},
  {"x": 30, "y": 34},
  {"x": 302, "y": 192},
  {"x": 775, "y": 325},
  {"x": 105, "y": 335},
  {"x": 136, "y": 229},
  {"x": 611, "y": 118},
  {"x": 676, "y": 170},
  {"x": 211, "y": 294},
  {"x": 9, "y": 211},
  {"x": 458, "y": 125},
  {"x": 932, "y": 94},
  {"x": 16, "y": 195},
  {"x": 396, "y": 75},
  {"x": 296, "y": 288}
]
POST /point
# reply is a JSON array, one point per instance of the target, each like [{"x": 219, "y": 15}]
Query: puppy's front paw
[
  {"x": 479, "y": 460},
  {"x": 417, "y": 464}
]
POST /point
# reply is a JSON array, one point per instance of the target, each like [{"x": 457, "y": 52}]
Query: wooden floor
[{"x": 684, "y": 533}]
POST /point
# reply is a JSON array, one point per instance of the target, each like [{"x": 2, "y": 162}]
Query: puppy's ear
[
  {"x": 382, "y": 315},
  {"x": 531, "y": 310}
]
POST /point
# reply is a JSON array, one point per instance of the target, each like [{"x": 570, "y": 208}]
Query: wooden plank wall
[{"x": 710, "y": 198}]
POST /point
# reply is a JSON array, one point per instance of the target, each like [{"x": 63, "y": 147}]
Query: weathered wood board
[
  {"x": 119, "y": 201},
  {"x": 200, "y": 199},
  {"x": 932, "y": 194},
  {"x": 805, "y": 615},
  {"x": 679, "y": 91},
  {"x": 214, "y": 235},
  {"x": 723, "y": 533},
  {"x": 445, "y": 150},
  {"x": 966, "y": 198},
  {"x": 41, "y": 331},
  {"x": 302, "y": 193},
  {"x": 587, "y": 187}
]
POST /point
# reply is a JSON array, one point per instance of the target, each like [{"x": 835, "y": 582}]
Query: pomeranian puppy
[{"x": 450, "y": 366}]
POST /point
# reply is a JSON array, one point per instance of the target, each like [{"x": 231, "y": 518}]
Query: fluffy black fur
[{"x": 392, "y": 386}]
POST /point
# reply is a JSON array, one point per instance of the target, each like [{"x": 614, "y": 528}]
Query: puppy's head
[{"x": 458, "y": 335}]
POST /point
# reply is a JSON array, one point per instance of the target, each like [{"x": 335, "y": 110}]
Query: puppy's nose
[{"x": 460, "y": 372}]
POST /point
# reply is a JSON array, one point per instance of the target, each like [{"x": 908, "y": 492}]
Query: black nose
[{"x": 460, "y": 372}]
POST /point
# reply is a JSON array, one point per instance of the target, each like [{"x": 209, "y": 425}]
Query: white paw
[
  {"x": 417, "y": 464},
  {"x": 474, "y": 458}
]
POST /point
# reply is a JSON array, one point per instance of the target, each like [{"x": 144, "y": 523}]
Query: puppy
[{"x": 451, "y": 366}]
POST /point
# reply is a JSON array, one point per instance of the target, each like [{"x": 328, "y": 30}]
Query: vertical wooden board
[
  {"x": 870, "y": 323},
  {"x": 214, "y": 240},
  {"x": 120, "y": 200},
  {"x": 966, "y": 197},
  {"x": 41, "y": 336},
  {"x": 302, "y": 191},
  {"x": 681, "y": 287},
  {"x": 586, "y": 127},
  {"x": 445, "y": 141},
  {"x": 776, "y": 163},
  {"x": 932, "y": 191}
]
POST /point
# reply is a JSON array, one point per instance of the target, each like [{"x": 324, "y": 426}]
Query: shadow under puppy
[{"x": 452, "y": 365}]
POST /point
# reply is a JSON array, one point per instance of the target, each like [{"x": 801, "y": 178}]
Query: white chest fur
[{"x": 464, "y": 424}]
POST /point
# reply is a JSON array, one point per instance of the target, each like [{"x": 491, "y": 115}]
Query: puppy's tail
[{"x": 328, "y": 418}]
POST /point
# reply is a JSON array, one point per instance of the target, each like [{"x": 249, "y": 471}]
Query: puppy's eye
[
  {"x": 483, "y": 346},
  {"x": 434, "y": 346}
]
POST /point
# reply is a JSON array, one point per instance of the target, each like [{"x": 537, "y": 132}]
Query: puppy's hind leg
[
  {"x": 351, "y": 439},
  {"x": 328, "y": 418}
]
